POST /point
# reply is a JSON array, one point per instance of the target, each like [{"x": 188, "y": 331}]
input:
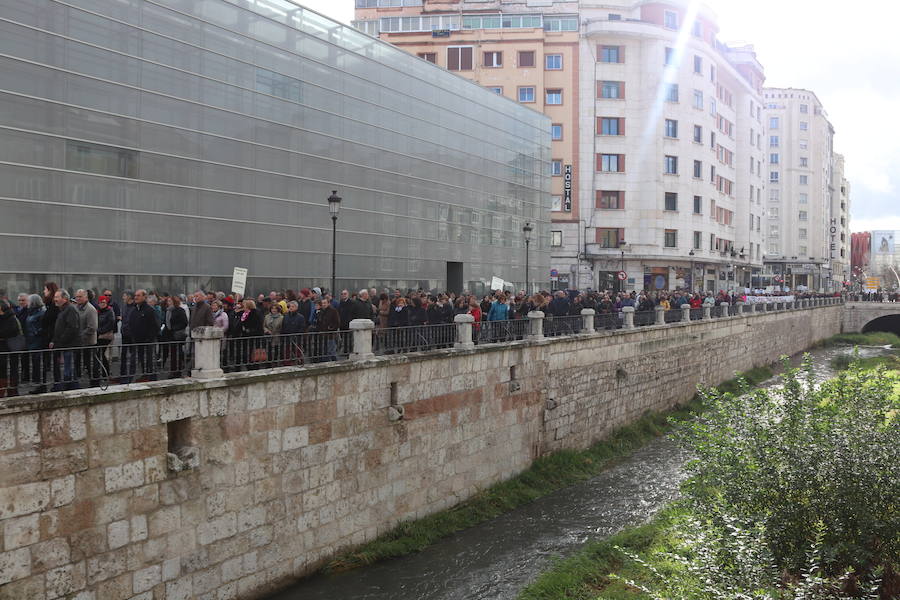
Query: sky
[{"x": 842, "y": 52}]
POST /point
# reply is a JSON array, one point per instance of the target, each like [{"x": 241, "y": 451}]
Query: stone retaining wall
[{"x": 230, "y": 487}]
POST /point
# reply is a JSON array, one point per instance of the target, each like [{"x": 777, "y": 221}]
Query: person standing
[
  {"x": 36, "y": 340},
  {"x": 126, "y": 357},
  {"x": 202, "y": 315},
  {"x": 144, "y": 328},
  {"x": 85, "y": 359},
  {"x": 10, "y": 335},
  {"x": 66, "y": 337},
  {"x": 106, "y": 331}
]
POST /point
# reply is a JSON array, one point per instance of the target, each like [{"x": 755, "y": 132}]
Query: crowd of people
[
  {"x": 875, "y": 296},
  {"x": 57, "y": 340}
]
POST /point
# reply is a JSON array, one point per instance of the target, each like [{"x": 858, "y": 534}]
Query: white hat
[{"x": 318, "y": 290}]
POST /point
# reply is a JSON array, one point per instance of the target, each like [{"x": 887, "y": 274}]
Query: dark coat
[
  {"x": 293, "y": 323},
  {"x": 9, "y": 328},
  {"x": 252, "y": 326},
  {"x": 201, "y": 316},
  {"x": 559, "y": 307},
  {"x": 417, "y": 315},
  {"x": 362, "y": 309},
  {"x": 48, "y": 323},
  {"x": 143, "y": 323},
  {"x": 67, "y": 330},
  {"x": 398, "y": 317},
  {"x": 328, "y": 319},
  {"x": 106, "y": 321},
  {"x": 127, "y": 311},
  {"x": 345, "y": 310}
]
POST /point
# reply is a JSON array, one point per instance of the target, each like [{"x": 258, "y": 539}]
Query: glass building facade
[{"x": 161, "y": 143}]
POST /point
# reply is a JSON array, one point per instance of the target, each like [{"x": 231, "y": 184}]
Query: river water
[{"x": 496, "y": 559}]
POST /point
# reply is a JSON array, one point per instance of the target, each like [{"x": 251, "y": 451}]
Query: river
[{"x": 496, "y": 559}]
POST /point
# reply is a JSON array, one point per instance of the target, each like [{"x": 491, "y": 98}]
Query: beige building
[
  {"x": 839, "y": 227},
  {"x": 525, "y": 51},
  {"x": 672, "y": 127},
  {"x": 800, "y": 206}
]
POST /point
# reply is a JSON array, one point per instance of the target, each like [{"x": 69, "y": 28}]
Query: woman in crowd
[
  {"x": 220, "y": 317},
  {"x": 12, "y": 341},
  {"x": 35, "y": 340},
  {"x": 175, "y": 329},
  {"x": 106, "y": 331}
]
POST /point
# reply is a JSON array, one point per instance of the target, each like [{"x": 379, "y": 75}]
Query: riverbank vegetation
[
  {"x": 873, "y": 338},
  {"x": 547, "y": 474},
  {"x": 793, "y": 493}
]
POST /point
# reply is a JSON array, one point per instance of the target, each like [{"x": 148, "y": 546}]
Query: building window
[
  {"x": 775, "y": 195},
  {"x": 697, "y": 29},
  {"x": 698, "y": 64},
  {"x": 556, "y": 239},
  {"x": 804, "y": 162},
  {"x": 670, "y": 19},
  {"x": 669, "y": 56},
  {"x": 610, "y": 199},
  {"x": 804, "y": 180},
  {"x": 611, "y": 163},
  {"x": 608, "y": 237},
  {"x": 670, "y": 238},
  {"x": 459, "y": 58},
  {"x": 804, "y": 108},
  {"x": 698, "y": 169},
  {"x": 774, "y": 122},
  {"x": 556, "y": 132},
  {"x": 526, "y": 94},
  {"x": 671, "y": 201},
  {"x": 698, "y": 205},
  {"x": 698, "y": 99},
  {"x": 698, "y": 134},
  {"x": 496, "y": 89},
  {"x": 276, "y": 84},
  {"x": 773, "y": 212},
  {"x": 671, "y": 128},
  {"x": 553, "y": 62},
  {"x": 672, "y": 93},
  {"x": 556, "y": 167},
  {"x": 802, "y": 234},
  {"x": 493, "y": 59},
  {"x": 671, "y": 163},
  {"x": 429, "y": 56},
  {"x": 804, "y": 125},
  {"x": 553, "y": 97},
  {"x": 804, "y": 144},
  {"x": 774, "y": 142},
  {"x": 611, "y": 89},
  {"x": 103, "y": 160},
  {"x": 803, "y": 198},
  {"x": 610, "y": 126},
  {"x": 773, "y": 158},
  {"x": 803, "y": 215},
  {"x": 803, "y": 250},
  {"x": 773, "y": 177},
  {"x": 712, "y": 73},
  {"x": 526, "y": 58},
  {"x": 611, "y": 54},
  {"x": 698, "y": 240}
]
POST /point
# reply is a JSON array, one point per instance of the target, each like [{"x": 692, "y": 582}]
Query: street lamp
[
  {"x": 334, "y": 205},
  {"x": 622, "y": 248},
  {"x": 691, "y": 254},
  {"x": 526, "y": 231}
]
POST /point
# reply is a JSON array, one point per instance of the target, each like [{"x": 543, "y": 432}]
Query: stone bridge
[{"x": 862, "y": 317}]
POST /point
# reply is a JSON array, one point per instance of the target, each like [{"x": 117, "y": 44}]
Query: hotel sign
[{"x": 567, "y": 188}]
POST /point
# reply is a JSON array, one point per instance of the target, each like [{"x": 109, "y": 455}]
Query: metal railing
[
  {"x": 489, "y": 332},
  {"x": 287, "y": 350},
  {"x": 566, "y": 325},
  {"x": 415, "y": 338},
  {"x": 644, "y": 318},
  {"x": 60, "y": 369},
  {"x": 673, "y": 315},
  {"x": 696, "y": 314},
  {"x": 607, "y": 321}
]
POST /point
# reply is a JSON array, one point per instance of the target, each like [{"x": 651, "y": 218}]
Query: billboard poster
[{"x": 883, "y": 242}]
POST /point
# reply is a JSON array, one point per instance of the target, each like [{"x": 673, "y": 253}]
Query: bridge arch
[{"x": 889, "y": 323}]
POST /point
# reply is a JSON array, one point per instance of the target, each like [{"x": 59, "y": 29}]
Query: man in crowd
[
  {"x": 86, "y": 358},
  {"x": 66, "y": 337},
  {"x": 202, "y": 315},
  {"x": 144, "y": 327}
]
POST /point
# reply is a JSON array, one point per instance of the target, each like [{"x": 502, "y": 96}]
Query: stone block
[
  {"x": 146, "y": 579},
  {"x": 15, "y": 564},
  {"x": 295, "y": 437},
  {"x": 21, "y": 531},
  {"x": 24, "y": 499},
  {"x": 27, "y": 430},
  {"x": 20, "y": 467},
  {"x": 180, "y": 589},
  {"x": 217, "y": 529},
  {"x": 165, "y": 520},
  {"x": 171, "y": 569},
  {"x": 118, "y": 534},
  {"x": 117, "y": 588},
  {"x": 178, "y": 406},
  {"x": 127, "y": 416},
  {"x": 65, "y": 580},
  {"x": 125, "y": 476},
  {"x": 138, "y": 526}
]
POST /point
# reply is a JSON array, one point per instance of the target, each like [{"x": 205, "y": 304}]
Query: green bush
[
  {"x": 874, "y": 338},
  {"x": 808, "y": 466}
]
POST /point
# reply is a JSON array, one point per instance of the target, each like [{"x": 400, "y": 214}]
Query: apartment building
[
  {"x": 524, "y": 51},
  {"x": 800, "y": 204},
  {"x": 656, "y": 128},
  {"x": 839, "y": 227},
  {"x": 672, "y": 151}
]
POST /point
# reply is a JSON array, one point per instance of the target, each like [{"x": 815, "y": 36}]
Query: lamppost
[
  {"x": 622, "y": 248},
  {"x": 691, "y": 254},
  {"x": 334, "y": 205},
  {"x": 526, "y": 231}
]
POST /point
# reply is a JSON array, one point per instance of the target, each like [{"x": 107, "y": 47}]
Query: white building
[
  {"x": 839, "y": 227},
  {"x": 801, "y": 177},
  {"x": 671, "y": 152}
]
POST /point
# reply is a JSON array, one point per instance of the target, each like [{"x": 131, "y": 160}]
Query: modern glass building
[{"x": 161, "y": 143}]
